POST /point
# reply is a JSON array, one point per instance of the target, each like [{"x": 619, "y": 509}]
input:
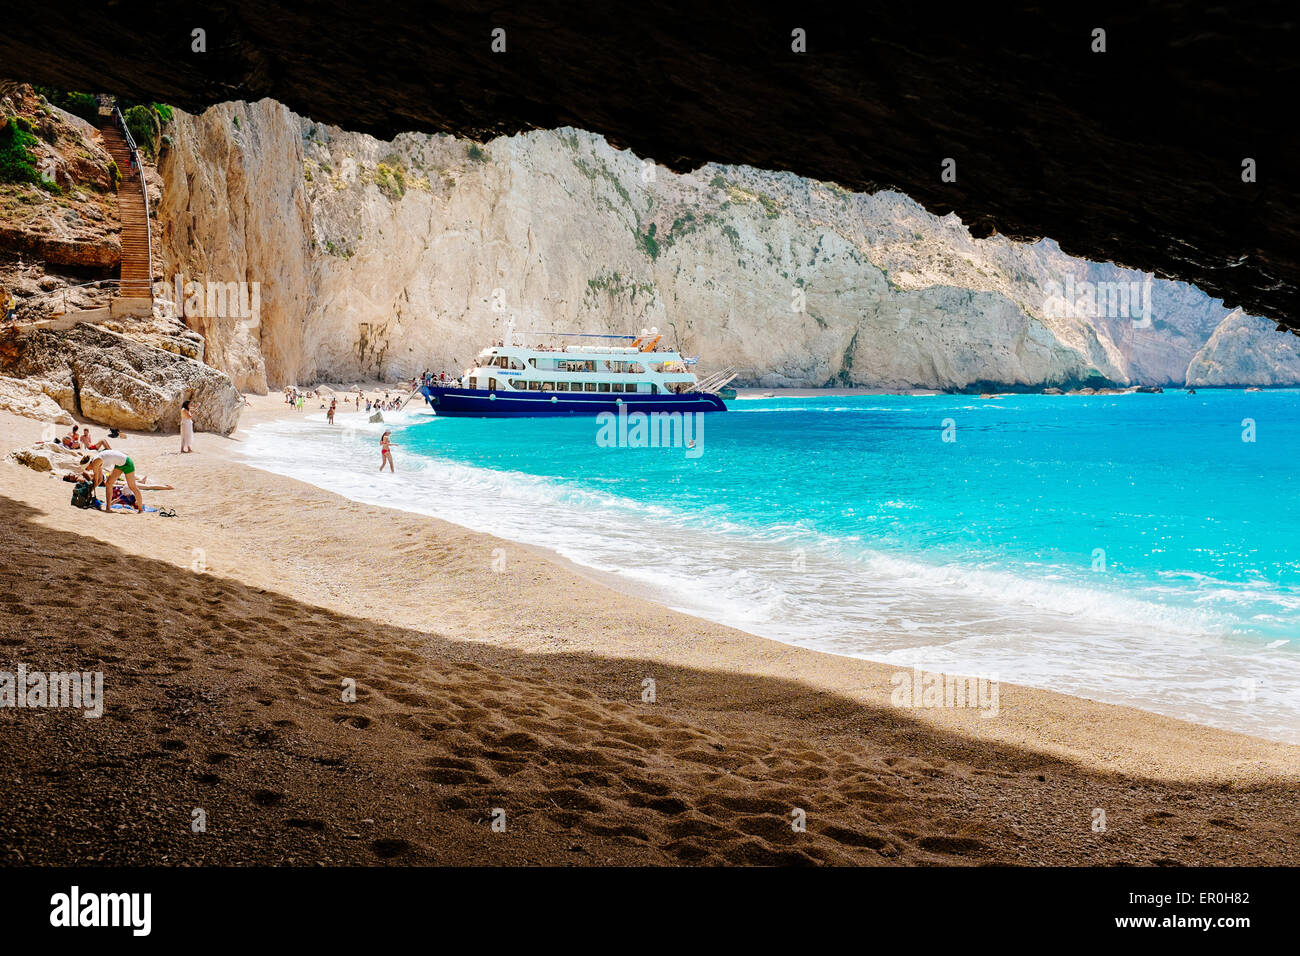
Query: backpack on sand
[{"x": 83, "y": 495}]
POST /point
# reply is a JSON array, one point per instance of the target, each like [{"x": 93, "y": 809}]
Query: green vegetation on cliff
[
  {"x": 78, "y": 104},
  {"x": 17, "y": 163},
  {"x": 146, "y": 128}
]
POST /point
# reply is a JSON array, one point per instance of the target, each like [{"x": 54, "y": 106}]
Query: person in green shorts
[{"x": 122, "y": 465}]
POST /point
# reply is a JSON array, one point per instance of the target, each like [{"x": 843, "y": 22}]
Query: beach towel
[{"x": 148, "y": 509}]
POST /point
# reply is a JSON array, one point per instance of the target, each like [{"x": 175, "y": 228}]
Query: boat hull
[{"x": 477, "y": 403}]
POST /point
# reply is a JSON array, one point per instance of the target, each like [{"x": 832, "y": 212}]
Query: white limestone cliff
[
  {"x": 381, "y": 259},
  {"x": 1246, "y": 350}
]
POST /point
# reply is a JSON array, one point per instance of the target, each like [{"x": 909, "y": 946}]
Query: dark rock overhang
[{"x": 1134, "y": 155}]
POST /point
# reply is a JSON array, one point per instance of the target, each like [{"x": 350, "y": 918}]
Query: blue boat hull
[{"x": 476, "y": 403}]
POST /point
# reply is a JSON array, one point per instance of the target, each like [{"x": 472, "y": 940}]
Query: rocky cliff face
[
  {"x": 1245, "y": 350},
  {"x": 379, "y": 259},
  {"x": 111, "y": 379},
  {"x": 61, "y": 232}
]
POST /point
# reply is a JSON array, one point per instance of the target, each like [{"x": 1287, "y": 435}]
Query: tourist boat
[{"x": 577, "y": 377}]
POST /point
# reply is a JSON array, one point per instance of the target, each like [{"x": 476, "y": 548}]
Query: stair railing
[{"x": 144, "y": 194}]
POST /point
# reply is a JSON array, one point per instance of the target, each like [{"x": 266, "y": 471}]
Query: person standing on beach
[
  {"x": 122, "y": 465},
  {"x": 187, "y": 428},
  {"x": 333, "y": 405},
  {"x": 386, "y": 453}
]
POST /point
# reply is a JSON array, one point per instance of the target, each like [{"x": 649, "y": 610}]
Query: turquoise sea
[{"x": 1141, "y": 549}]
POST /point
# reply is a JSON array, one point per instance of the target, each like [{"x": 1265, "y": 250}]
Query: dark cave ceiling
[{"x": 1133, "y": 155}]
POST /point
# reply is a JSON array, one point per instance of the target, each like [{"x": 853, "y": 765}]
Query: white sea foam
[{"x": 787, "y": 583}]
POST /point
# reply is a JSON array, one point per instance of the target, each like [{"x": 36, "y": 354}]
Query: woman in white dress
[{"x": 187, "y": 427}]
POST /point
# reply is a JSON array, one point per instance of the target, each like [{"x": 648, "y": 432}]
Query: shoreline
[
  {"x": 524, "y": 689},
  {"x": 722, "y": 607}
]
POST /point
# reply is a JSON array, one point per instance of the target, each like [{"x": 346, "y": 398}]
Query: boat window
[
  {"x": 604, "y": 386},
  {"x": 533, "y": 362},
  {"x": 590, "y": 386},
  {"x": 535, "y": 386},
  {"x": 616, "y": 386},
  {"x": 561, "y": 386},
  {"x": 636, "y": 368},
  {"x": 548, "y": 386},
  {"x": 492, "y": 385},
  {"x": 473, "y": 382},
  {"x": 654, "y": 389}
]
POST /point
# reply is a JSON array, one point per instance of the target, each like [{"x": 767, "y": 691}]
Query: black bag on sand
[{"x": 83, "y": 495}]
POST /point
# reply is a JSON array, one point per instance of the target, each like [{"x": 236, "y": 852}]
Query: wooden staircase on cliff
[{"x": 136, "y": 270}]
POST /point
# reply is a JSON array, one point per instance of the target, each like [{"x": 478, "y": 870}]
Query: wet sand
[{"x": 514, "y": 691}]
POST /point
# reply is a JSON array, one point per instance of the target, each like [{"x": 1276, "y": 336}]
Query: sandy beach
[{"x": 495, "y": 683}]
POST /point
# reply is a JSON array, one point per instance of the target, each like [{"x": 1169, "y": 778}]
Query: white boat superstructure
[{"x": 641, "y": 367}]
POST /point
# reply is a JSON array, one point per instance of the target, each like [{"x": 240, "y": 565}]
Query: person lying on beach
[
  {"x": 120, "y": 496},
  {"x": 123, "y": 466},
  {"x": 144, "y": 483}
]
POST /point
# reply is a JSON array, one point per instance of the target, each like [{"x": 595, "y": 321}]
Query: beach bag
[{"x": 83, "y": 495}]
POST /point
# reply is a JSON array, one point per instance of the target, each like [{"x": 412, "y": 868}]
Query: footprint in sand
[
  {"x": 1226, "y": 824},
  {"x": 299, "y": 823},
  {"x": 450, "y": 777},
  {"x": 569, "y": 799},
  {"x": 951, "y": 844},
  {"x": 855, "y": 838},
  {"x": 386, "y": 849}
]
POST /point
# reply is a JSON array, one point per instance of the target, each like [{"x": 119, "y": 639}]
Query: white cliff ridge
[{"x": 381, "y": 259}]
